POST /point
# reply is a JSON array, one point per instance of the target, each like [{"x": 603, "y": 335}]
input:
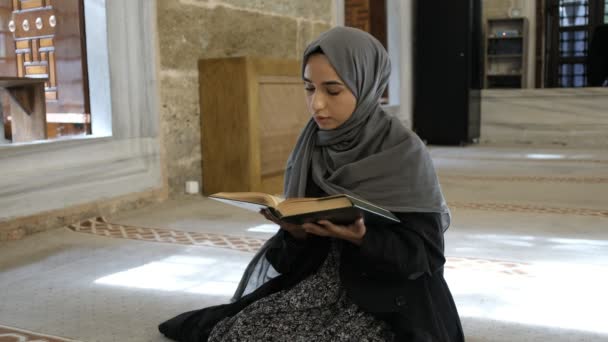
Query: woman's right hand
[{"x": 295, "y": 230}]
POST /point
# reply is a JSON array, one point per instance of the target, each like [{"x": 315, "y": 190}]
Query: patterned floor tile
[
  {"x": 524, "y": 160},
  {"x": 525, "y": 208},
  {"x": 489, "y": 266},
  {"x": 11, "y": 334},
  {"x": 99, "y": 226},
  {"x": 528, "y": 179}
]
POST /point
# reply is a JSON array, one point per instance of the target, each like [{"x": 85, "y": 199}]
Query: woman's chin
[{"x": 325, "y": 126}]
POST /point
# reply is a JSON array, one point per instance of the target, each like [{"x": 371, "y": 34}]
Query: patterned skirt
[{"x": 317, "y": 309}]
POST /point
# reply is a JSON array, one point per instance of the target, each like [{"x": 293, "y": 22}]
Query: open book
[{"x": 339, "y": 209}]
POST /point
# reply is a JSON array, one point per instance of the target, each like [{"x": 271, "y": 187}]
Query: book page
[
  {"x": 259, "y": 198},
  {"x": 294, "y": 206},
  {"x": 245, "y": 205}
]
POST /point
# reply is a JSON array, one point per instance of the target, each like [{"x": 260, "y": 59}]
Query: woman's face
[{"x": 329, "y": 100}]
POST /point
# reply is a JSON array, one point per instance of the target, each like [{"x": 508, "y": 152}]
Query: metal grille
[
  {"x": 573, "y": 43},
  {"x": 573, "y": 13},
  {"x": 574, "y": 21},
  {"x": 572, "y": 75}
]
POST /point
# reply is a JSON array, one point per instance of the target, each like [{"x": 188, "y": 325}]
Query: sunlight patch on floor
[
  {"x": 202, "y": 275},
  {"x": 550, "y": 294},
  {"x": 544, "y": 156}
]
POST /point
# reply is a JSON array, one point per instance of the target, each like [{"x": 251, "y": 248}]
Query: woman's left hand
[{"x": 353, "y": 232}]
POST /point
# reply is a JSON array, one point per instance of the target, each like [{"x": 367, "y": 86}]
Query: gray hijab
[{"x": 371, "y": 156}]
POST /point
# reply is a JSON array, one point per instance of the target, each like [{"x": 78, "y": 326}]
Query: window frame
[
  {"x": 553, "y": 32},
  {"x": 123, "y": 154}
]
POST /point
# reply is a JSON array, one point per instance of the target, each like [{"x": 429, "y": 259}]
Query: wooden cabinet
[
  {"x": 506, "y": 53},
  {"x": 252, "y": 111}
]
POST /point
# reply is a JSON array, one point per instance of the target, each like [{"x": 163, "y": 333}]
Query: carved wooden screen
[{"x": 48, "y": 41}]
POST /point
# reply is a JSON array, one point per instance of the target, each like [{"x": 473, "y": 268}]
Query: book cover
[{"x": 339, "y": 209}]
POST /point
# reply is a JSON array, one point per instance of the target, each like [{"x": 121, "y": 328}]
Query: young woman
[{"x": 327, "y": 282}]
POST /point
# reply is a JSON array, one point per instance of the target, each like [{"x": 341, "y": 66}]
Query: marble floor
[{"x": 527, "y": 255}]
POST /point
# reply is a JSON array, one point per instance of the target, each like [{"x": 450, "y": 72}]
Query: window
[
  {"x": 122, "y": 156},
  {"x": 572, "y": 24},
  {"x": 573, "y": 42},
  {"x": 43, "y": 39}
]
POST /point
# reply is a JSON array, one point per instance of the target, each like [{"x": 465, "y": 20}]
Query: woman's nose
[{"x": 318, "y": 101}]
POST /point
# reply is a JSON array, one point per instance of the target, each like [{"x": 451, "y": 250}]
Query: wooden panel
[
  {"x": 232, "y": 123},
  {"x": 272, "y": 71},
  {"x": 20, "y": 70},
  {"x": 36, "y": 70},
  {"x": 23, "y": 44},
  {"x": 69, "y": 73},
  {"x": 16, "y": 5},
  {"x": 28, "y": 4},
  {"x": 357, "y": 14},
  {"x": 28, "y": 57},
  {"x": 377, "y": 21},
  {"x": 273, "y": 184},
  {"x": 35, "y": 50},
  {"x": 28, "y": 113},
  {"x": 11, "y": 82},
  {"x": 279, "y": 132},
  {"x": 52, "y": 77},
  {"x": 31, "y": 16},
  {"x": 46, "y": 42},
  {"x": 225, "y": 125}
]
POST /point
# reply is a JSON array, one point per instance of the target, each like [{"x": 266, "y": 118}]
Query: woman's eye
[
  {"x": 333, "y": 93},
  {"x": 309, "y": 89}
]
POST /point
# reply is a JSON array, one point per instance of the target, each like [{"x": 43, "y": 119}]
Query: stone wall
[
  {"x": 193, "y": 29},
  {"x": 557, "y": 117}
]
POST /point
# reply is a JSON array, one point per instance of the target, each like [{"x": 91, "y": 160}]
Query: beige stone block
[
  {"x": 292, "y": 8},
  {"x": 304, "y": 37},
  {"x": 322, "y": 10},
  {"x": 180, "y": 128},
  {"x": 163, "y": 5},
  {"x": 307, "y": 9},
  {"x": 318, "y": 28},
  {"x": 188, "y": 33},
  {"x": 308, "y": 31}
]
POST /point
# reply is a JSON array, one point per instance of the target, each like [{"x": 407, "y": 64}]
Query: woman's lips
[{"x": 321, "y": 119}]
